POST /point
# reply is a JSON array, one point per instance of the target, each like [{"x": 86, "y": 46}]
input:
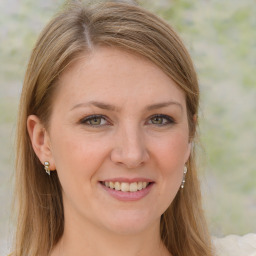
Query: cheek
[
  {"x": 173, "y": 151},
  {"x": 76, "y": 159},
  {"x": 171, "y": 155},
  {"x": 77, "y": 163}
]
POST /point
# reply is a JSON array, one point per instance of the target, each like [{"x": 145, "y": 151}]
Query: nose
[{"x": 130, "y": 148}]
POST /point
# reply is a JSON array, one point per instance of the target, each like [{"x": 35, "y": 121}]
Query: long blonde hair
[{"x": 75, "y": 31}]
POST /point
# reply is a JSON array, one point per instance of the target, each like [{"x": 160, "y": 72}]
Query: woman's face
[{"x": 119, "y": 140}]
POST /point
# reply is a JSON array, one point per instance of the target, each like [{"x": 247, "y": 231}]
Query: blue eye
[
  {"x": 161, "y": 120},
  {"x": 94, "y": 120}
]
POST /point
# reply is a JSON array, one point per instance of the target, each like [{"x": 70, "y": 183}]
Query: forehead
[{"x": 114, "y": 75}]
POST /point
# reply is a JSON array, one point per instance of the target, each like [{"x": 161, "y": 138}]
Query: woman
[{"x": 107, "y": 124}]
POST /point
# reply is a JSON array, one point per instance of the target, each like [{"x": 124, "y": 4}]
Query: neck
[{"x": 90, "y": 240}]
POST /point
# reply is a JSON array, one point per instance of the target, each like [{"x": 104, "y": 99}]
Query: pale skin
[{"x": 126, "y": 141}]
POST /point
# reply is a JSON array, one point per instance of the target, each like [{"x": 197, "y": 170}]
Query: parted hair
[{"x": 72, "y": 33}]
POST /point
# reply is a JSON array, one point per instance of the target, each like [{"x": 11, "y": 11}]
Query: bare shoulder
[{"x": 233, "y": 245}]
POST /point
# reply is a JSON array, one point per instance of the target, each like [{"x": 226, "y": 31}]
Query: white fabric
[{"x": 234, "y": 245}]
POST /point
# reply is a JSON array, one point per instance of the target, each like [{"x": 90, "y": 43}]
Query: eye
[
  {"x": 160, "y": 120},
  {"x": 94, "y": 120}
]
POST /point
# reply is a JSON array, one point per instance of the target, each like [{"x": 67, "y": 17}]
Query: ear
[
  {"x": 40, "y": 140},
  {"x": 195, "y": 119}
]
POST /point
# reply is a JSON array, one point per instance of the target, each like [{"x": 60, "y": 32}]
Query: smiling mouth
[{"x": 125, "y": 186}]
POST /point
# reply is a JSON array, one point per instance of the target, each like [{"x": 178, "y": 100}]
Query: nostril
[{"x": 130, "y": 152}]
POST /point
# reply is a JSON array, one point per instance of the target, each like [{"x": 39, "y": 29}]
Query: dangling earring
[
  {"x": 46, "y": 167},
  {"x": 184, "y": 176}
]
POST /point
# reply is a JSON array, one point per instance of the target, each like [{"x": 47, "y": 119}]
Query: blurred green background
[{"x": 221, "y": 37}]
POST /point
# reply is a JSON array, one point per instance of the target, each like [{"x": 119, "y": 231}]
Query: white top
[{"x": 233, "y": 245}]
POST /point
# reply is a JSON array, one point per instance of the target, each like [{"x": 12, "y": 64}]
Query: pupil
[
  {"x": 95, "y": 120},
  {"x": 158, "y": 120}
]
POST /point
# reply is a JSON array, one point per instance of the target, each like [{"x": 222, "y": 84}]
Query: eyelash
[
  {"x": 89, "y": 118},
  {"x": 169, "y": 119},
  {"x": 84, "y": 121}
]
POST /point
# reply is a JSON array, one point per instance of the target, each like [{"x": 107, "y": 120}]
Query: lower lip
[{"x": 128, "y": 196}]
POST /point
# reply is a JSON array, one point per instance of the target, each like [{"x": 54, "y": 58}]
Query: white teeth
[
  {"x": 133, "y": 187},
  {"x": 125, "y": 186},
  {"x": 111, "y": 184},
  {"x": 117, "y": 186},
  {"x": 139, "y": 185}
]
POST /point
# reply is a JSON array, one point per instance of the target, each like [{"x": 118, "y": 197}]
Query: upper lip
[{"x": 128, "y": 180}]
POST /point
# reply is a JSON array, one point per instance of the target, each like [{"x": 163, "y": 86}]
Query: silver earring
[
  {"x": 184, "y": 176},
  {"x": 46, "y": 167}
]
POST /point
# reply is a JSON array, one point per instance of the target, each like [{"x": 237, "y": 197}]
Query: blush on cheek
[{"x": 173, "y": 151}]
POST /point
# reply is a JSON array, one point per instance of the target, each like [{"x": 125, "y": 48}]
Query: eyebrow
[{"x": 110, "y": 107}]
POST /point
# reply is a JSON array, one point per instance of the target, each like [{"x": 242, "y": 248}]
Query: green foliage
[{"x": 19, "y": 31}]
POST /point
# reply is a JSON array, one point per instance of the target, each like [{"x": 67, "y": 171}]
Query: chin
[{"x": 130, "y": 223}]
